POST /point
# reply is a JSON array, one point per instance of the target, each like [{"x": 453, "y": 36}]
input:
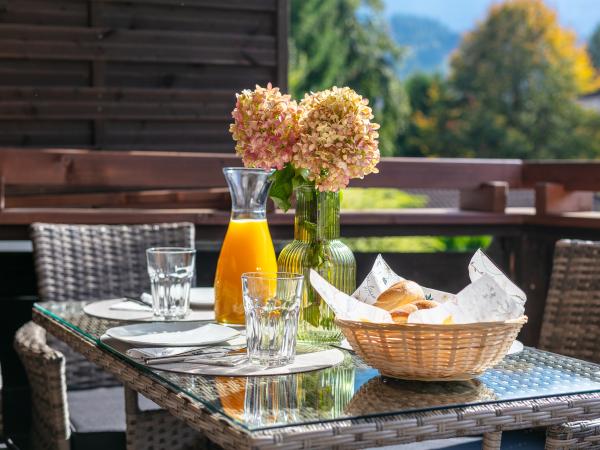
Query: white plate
[
  {"x": 172, "y": 334},
  {"x": 103, "y": 310},
  {"x": 302, "y": 363},
  {"x": 200, "y": 297}
]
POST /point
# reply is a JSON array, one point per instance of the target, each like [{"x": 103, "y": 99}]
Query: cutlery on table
[
  {"x": 210, "y": 352},
  {"x": 223, "y": 358},
  {"x": 139, "y": 301}
]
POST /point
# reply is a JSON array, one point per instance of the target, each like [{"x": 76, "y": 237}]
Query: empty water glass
[
  {"x": 171, "y": 270},
  {"x": 271, "y": 305}
]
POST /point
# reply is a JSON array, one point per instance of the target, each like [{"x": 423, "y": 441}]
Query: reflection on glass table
[{"x": 351, "y": 389}]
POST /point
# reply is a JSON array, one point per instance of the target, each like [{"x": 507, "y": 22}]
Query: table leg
[
  {"x": 492, "y": 440},
  {"x": 158, "y": 428}
]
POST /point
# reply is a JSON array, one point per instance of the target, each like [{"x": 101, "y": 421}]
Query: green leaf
[
  {"x": 301, "y": 178},
  {"x": 282, "y": 188}
]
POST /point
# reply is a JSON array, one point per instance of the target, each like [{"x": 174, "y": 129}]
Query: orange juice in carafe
[{"x": 247, "y": 246}]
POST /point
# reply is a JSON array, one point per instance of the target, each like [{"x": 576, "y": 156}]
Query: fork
[
  {"x": 212, "y": 352},
  {"x": 139, "y": 300}
]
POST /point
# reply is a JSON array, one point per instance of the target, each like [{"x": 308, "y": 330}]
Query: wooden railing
[
  {"x": 112, "y": 187},
  {"x": 82, "y": 186}
]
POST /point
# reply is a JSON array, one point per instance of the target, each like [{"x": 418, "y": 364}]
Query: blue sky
[{"x": 460, "y": 15}]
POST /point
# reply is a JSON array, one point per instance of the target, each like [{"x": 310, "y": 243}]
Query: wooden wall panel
[
  {"x": 185, "y": 76},
  {"x": 151, "y": 17},
  {"x": 40, "y": 73},
  {"x": 44, "y": 12},
  {"x": 32, "y": 133},
  {"x": 116, "y": 74}
]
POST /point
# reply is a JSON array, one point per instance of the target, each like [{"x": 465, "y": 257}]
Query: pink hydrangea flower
[
  {"x": 265, "y": 127},
  {"x": 337, "y": 140}
]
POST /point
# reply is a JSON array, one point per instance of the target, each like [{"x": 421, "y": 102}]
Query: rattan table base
[{"x": 489, "y": 419}]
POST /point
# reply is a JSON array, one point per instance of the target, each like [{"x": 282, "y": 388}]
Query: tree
[
  {"x": 517, "y": 76},
  {"x": 347, "y": 43},
  {"x": 594, "y": 47},
  {"x": 436, "y": 123}
]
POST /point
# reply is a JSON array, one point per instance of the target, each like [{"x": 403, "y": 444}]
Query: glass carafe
[{"x": 247, "y": 246}]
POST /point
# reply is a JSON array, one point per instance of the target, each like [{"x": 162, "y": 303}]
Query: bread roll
[
  {"x": 425, "y": 304},
  {"x": 401, "y": 314},
  {"x": 399, "y": 294}
]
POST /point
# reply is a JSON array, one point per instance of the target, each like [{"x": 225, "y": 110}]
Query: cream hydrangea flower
[
  {"x": 337, "y": 140},
  {"x": 265, "y": 127}
]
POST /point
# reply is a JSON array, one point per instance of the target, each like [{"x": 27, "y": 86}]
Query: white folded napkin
[
  {"x": 160, "y": 352},
  {"x": 128, "y": 305},
  {"x": 157, "y": 352},
  {"x": 491, "y": 296},
  {"x": 198, "y": 297}
]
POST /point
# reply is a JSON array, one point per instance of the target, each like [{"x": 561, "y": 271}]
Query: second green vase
[{"x": 317, "y": 246}]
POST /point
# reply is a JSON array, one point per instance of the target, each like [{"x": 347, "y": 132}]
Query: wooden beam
[
  {"x": 491, "y": 197},
  {"x": 427, "y": 216},
  {"x": 146, "y": 169},
  {"x": 283, "y": 20},
  {"x": 113, "y": 169},
  {"x": 216, "y": 198},
  {"x": 442, "y": 173},
  {"x": 553, "y": 198},
  {"x": 573, "y": 175}
]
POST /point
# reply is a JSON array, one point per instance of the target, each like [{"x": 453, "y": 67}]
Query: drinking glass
[
  {"x": 171, "y": 270},
  {"x": 271, "y": 400},
  {"x": 271, "y": 304}
]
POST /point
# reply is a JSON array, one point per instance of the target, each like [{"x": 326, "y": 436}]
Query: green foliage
[
  {"x": 411, "y": 244},
  {"x": 418, "y": 244},
  {"x": 594, "y": 47},
  {"x": 380, "y": 198},
  {"x": 436, "y": 123},
  {"x": 333, "y": 45},
  {"x": 284, "y": 183},
  {"x": 465, "y": 243},
  {"x": 511, "y": 93}
]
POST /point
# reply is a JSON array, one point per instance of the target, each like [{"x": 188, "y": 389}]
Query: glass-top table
[{"x": 349, "y": 391}]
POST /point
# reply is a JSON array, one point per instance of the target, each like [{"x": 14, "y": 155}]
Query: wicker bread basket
[
  {"x": 431, "y": 352},
  {"x": 379, "y": 394}
]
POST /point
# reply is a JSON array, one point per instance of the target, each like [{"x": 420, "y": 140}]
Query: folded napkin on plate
[
  {"x": 490, "y": 297},
  {"x": 161, "y": 352},
  {"x": 158, "y": 352},
  {"x": 198, "y": 296},
  {"x": 128, "y": 305}
]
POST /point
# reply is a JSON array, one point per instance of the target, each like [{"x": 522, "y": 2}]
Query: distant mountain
[{"x": 428, "y": 43}]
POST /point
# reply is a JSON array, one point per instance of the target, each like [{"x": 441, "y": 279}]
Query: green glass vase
[{"x": 317, "y": 246}]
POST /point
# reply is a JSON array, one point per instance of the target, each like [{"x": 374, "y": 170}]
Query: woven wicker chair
[
  {"x": 570, "y": 326},
  {"x": 89, "y": 262},
  {"x": 92, "y": 262},
  {"x": 45, "y": 369}
]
